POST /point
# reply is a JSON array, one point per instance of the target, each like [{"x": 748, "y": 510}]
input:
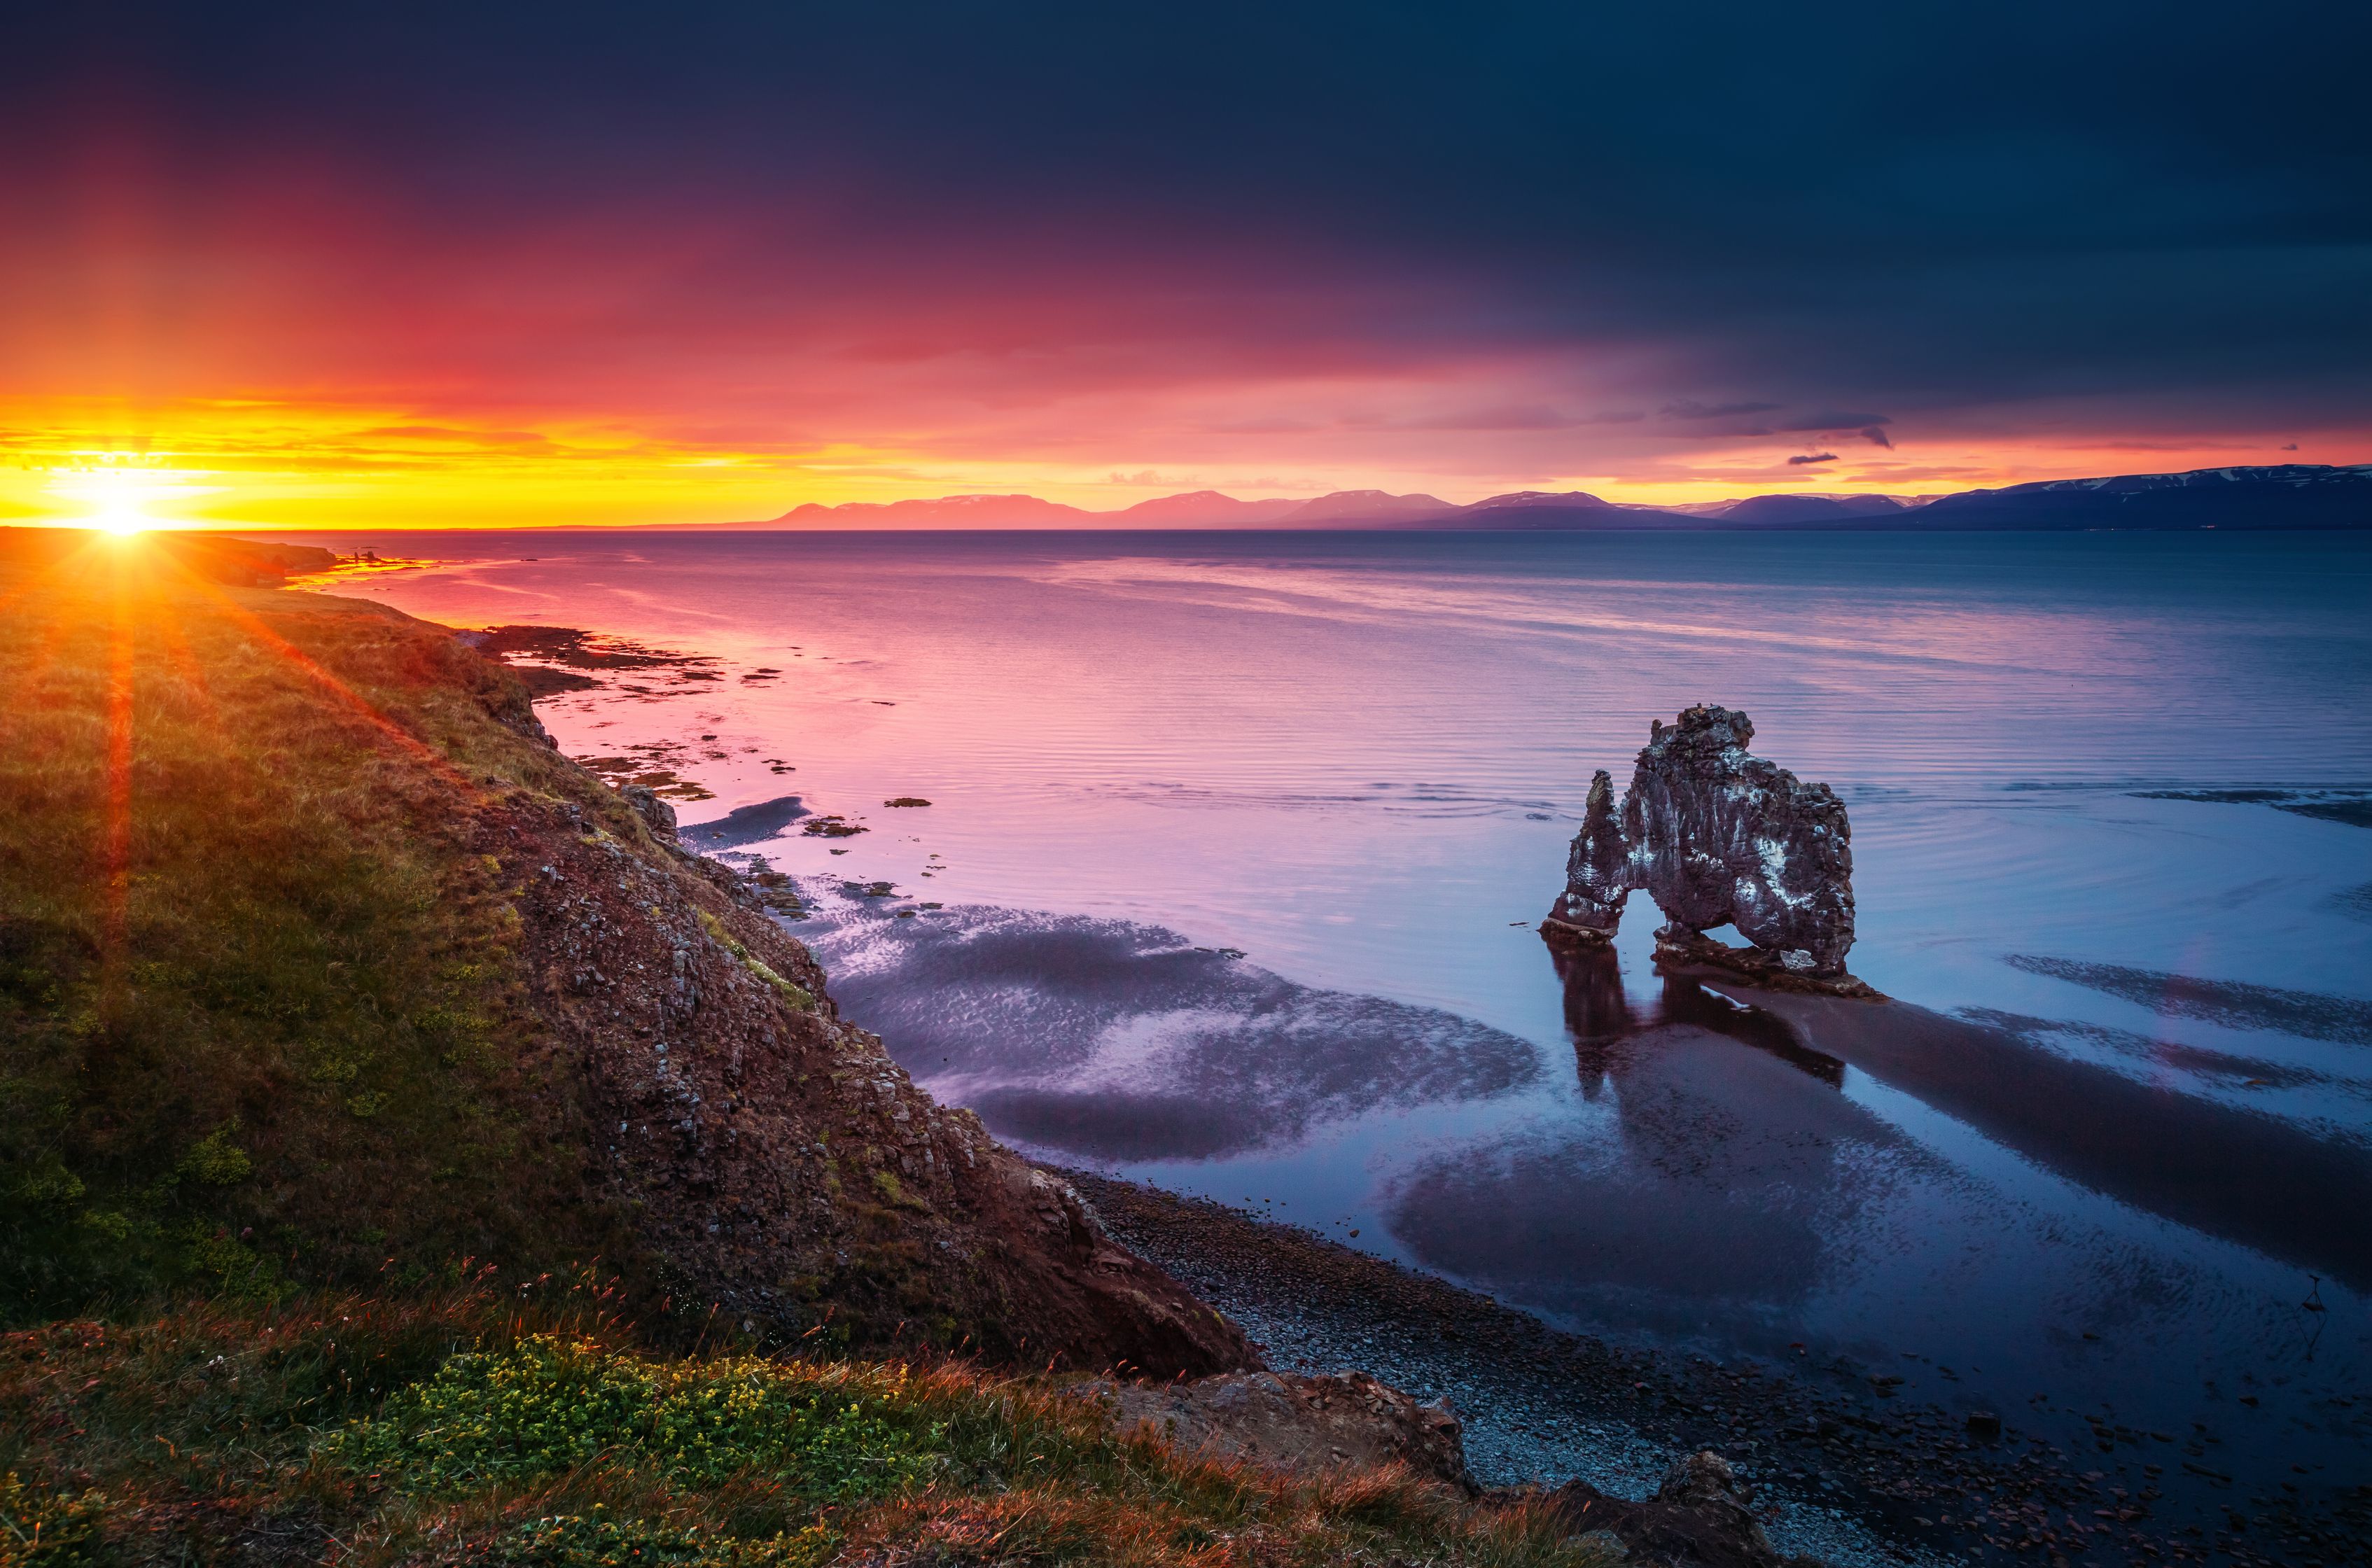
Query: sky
[{"x": 512, "y": 264}]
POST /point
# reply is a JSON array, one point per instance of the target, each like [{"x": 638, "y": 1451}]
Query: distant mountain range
[{"x": 2288, "y": 495}]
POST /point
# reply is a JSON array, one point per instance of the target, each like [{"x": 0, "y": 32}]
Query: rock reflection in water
[
  {"x": 1599, "y": 1015},
  {"x": 1718, "y": 1180},
  {"x": 1733, "y": 1183}
]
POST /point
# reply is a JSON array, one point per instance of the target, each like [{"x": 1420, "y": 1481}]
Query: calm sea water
[{"x": 2112, "y": 1155}]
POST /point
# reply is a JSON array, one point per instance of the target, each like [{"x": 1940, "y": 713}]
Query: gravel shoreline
[{"x": 1847, "y": 1474}]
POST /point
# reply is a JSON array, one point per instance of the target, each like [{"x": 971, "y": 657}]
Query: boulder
[
  {"x": 1289, "y": 1421},
  {"x": 656, "y": 814},
  {"x": 1702, "y": 1516}
]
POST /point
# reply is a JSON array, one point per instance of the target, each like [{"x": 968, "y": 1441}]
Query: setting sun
[{"x": 119, "y": 501}]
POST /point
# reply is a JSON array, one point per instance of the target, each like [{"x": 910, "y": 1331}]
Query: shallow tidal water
[{"x": 1237, "y": 842}]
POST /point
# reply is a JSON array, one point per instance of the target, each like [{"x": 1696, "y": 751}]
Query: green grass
[
  {"x": 792, "y": 991},
  {"x": 549, "y": 1404},
  {"x": 260, "y": 1011},
  {"x": 596, "y": 1541},
  {"x": 531, "y": 1426}
]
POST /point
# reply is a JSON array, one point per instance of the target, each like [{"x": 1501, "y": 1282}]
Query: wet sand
[{"x": 2268, "y": 1185}]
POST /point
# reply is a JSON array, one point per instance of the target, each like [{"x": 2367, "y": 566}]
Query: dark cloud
[
  {"x": 1812, "y": 458},
  {"x": 1832, "y": 421},
  {"x": 2156, "y": 215},
  {"x": 1521, "y": 417},
  {"x": 1688, "y": 407},
  {"x": 1870, "y": 428}
]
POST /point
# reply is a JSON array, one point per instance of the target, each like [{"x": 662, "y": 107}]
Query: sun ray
[
  {"x": 114, "y": 618},
  {"x": 43, "y": 583},
  {"x": 116, "y": 826},
  {"x": 184, "y": 660},
  {"x": 361, "y": 707}
]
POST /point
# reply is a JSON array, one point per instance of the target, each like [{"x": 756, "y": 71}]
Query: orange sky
[
  {"x": 275, "y": 329},
  {"x": 285, "y": 461}
]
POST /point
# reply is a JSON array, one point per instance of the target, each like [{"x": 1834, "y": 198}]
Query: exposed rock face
[
  {"x": 775, "y": 1157},
  {"x": 656, "y": 814},
  {"x": 769, "y": 1154},
  {"x": 1293, "y": 1422},
  {"x": 1717, "y": 836}
]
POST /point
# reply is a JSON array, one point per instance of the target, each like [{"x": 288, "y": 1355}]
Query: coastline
[
  {"x": 1891, "y": 1469},
  {"x": 1841, "y": 1469},
  {"x": 619, "y": 1147}
]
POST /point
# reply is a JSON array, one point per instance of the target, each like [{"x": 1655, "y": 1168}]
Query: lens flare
[{"x": 118, "y": 500}]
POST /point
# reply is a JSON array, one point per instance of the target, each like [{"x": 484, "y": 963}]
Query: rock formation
[
  {"x": 1718, "y": 837},
  {"x": 1598, "y": 872}
]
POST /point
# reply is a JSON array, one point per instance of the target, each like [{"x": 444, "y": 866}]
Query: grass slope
[
  {"x": 259, "y": 1013},
  {"x": 483, "y": 1425}
]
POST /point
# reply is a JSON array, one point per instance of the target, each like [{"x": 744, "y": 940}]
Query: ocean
[{"x": 1235, "y": 845}]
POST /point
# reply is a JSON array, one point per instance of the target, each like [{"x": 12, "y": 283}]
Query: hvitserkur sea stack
[{"x": 1717, "y": 836}]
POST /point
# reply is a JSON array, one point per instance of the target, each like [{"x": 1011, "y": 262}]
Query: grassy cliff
[
  {"x": 320, "y": 966},
  {"x": 408, "y": 1153},
  {"x": 261, "y": 1021}
]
